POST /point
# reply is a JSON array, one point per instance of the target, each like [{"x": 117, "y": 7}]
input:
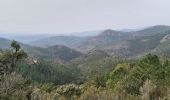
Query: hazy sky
[{"x": 63, "y": 16}]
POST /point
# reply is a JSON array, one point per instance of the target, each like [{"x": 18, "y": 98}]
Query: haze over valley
[{"x": 84, "y": 50}]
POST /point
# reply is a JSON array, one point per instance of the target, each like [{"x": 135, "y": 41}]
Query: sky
[{"x": 66, "y": 16}]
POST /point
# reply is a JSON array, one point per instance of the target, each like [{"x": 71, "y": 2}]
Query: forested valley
[
  {"x": 113, "y": 65},
  {"x": 147, "y": 78}
]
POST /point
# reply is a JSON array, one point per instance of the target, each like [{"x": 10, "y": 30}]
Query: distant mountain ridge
[
  {"x": 4, "y": 43},
  {"x": 153, "y": 30},
  {"x": 115, "y": 43},
  {"x": 126, "y": 43},
  {"x": 57, "y": 52},
  {"x": 58, "y": 40}
]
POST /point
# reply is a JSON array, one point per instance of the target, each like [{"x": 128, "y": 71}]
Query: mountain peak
[{"x": 110, "y": 32}]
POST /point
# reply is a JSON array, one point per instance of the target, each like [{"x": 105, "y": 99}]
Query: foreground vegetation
[{"x": 102, "y": 78}]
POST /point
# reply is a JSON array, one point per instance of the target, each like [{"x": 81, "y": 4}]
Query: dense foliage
[
  {"x": 97, "y": 77},
  {"x": 45, "y": 71}
]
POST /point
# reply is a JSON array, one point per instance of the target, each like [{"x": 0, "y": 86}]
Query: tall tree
[{"x": 9, "y": 58}]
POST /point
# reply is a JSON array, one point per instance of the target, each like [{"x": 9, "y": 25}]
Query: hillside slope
[
  {"x": 57, "y": 52},
  {"x": 127, "y": 44}
]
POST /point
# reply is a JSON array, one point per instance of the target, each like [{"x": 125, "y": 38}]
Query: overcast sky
[{"x": 63, "y": 16}]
